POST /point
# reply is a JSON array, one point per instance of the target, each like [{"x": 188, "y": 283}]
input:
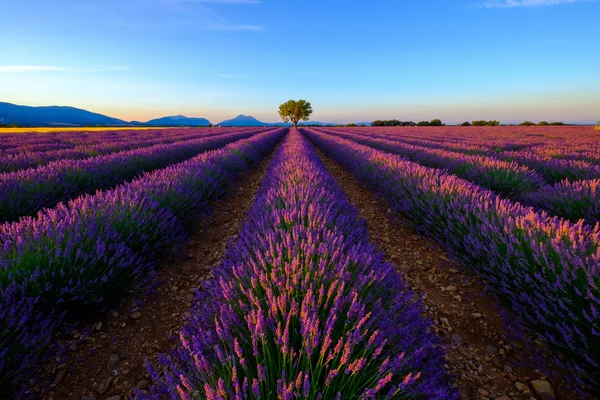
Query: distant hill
[
  {"x": 248, "y": 120},
  {"x": 178, "y": 120},
  {"x": 244, "y": 120},
  {"x": 71, "y": 116},
  {"x": 52, "y": 115}
]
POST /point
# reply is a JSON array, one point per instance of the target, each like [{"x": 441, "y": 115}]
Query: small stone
[
  {"x": 521, "y": 387},
  {"x": 476, "y": 315},
  {"x": 503, "y": 398},
  {"x": 136, "y": 315},
  {"x": 386, "y": 239},
  {"x": 543, "y": 390},
  {"x": 190, "y": 297},
  {"x": 491, "y": 350},
  {"x": 456, "y": 338},
  {"x": 143, "y": 385},
  {"x": 104, "y": 385},
  {"x": 451, "y": 289},
  {"x": 445, "y": 321},
  {"x": 117, "y": 397},
  {"x": 99, "y": 326},
  {"x": 483, "y": 393},
  {"x": 174, "y": 289},
  {"x": 88, "y": 397},
  {"x": 113, "y": 361}
]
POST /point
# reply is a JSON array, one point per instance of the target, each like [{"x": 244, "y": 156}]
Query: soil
[
  {"x": 485, "y": 362},
  {"x": 149, "y": 324}
]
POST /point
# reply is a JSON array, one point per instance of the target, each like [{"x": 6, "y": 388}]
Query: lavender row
[
  {"x": 572, "y": 201},
  {"x": 52, "y": 141},
  {"x": 506, "y": 179},
  {"x": 553, "y": 161},
  {"x": 545, "y": 269},
  {"x": 23, "y": 193},
  {"x": 29, "y": 159},
  {"x": 303, "y": 306},
  {"x": 47, "y": 141},
  {"x": 85, "y": 254}
]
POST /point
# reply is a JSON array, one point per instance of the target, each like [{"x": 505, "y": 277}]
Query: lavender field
[{"x": 302, "y": 297}]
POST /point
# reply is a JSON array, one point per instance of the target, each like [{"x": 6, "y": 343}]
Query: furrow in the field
[
  {"x": 23, "y": 193},
  {"x": 303, "y": 305},
  {"x": 481, "y": 354},
  {"x": 136, "y": 340},
  {"x": 85, "y": 255},
  {"x": 545, "y": 269}
]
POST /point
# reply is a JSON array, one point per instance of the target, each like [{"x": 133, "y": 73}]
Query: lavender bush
[
  {"x": 570, "y": 200},
  {"x": 545, "y": 269},
  {"x": 505, "y": 178},
  {"x": 83, "y": 255},
  {"x": 25, "y": 192},
  {"x": 303, "y": 306}
]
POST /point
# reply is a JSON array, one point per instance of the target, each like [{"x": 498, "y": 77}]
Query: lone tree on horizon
[{"x": 295, "y": 111}]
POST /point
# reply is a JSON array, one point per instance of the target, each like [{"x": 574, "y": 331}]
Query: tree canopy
[{"x": 295, "y": 111}]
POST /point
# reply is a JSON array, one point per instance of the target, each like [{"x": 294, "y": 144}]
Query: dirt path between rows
[
  {"x": 111, "y": 361},
  {"x": 484, "y": 362}
]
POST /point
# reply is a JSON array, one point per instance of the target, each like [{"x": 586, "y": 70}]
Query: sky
[{"x": 355, "y": 61}]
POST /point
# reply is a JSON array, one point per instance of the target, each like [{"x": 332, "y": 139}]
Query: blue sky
[{"x": 353, "y": 60}]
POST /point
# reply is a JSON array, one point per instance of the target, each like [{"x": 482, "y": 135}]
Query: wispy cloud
[
  {"x": 209, "y": 18},
  {"x": 7, "y": 69},
  {"x": 528, "y": 3}
]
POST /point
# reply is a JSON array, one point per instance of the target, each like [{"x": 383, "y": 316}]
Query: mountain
[
  {"x": 247, "y": 120},
  {"x": 178, "y": 120},
  {"x": 244, "y": 120},
  {"x": 52, "y": 115}
]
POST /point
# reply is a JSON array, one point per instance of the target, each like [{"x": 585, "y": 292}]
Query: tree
[
  {"x": 543, "y": 123},
  {"x": 295, "y": 111},
  {"x": 466, "y": 123}
]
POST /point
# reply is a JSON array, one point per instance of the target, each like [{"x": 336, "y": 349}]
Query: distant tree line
[
  {"x": 541, "y": 123},
  {"x": 481, "y": 123},
  {"x": 395, "y": 122}
]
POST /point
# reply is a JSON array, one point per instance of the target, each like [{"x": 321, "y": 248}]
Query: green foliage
[
  {"x": 466, "y": 123},
  {"x": 295, "y": 111},
  {"x": 543, "y": 123},
  {"x": 527, "y": 123},
  {"x": 433, "y": 122},
  {"x": 556, "y": 123},
  {"x": 392, "y": 122},
  {"x": 486, "y": 123},
  {"x": 351, "y": 125}
]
